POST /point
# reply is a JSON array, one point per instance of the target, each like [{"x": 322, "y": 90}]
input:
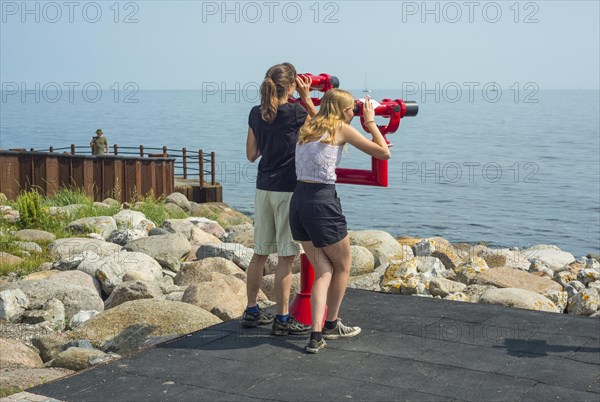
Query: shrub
[{"x": 29, "y": 204}]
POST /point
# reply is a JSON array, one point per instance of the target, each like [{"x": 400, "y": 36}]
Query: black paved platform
[{"x": 411, "y": 348}]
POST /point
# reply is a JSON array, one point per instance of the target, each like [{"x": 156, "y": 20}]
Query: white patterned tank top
[{"x": 316, "y": 161}]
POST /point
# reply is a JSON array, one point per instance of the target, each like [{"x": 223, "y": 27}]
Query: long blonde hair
[
  {"x": 329, "y": 118},
  {"x": 274, "y": 88}
]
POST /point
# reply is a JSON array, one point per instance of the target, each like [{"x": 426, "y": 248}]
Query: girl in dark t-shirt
[{"x": 272, "y": 135}]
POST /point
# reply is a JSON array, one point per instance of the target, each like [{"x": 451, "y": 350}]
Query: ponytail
[
  {"x": 274, "y": 89},
  {"x": 269, "y": 101}
]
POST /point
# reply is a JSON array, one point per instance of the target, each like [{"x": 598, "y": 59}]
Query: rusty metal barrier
[{"x": 119, "y": 177}]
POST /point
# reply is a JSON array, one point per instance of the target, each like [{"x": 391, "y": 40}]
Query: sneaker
[
  {"x": 314, "y": 346},
  {"x": 291, "y": 327},
  {"x": 340, "y": 331},
  {"x": 254, "y": 320}
]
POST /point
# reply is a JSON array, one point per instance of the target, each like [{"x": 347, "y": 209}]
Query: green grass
[
  {"x": 154, "y": 209},
  {"x": 6, "y": 391}
]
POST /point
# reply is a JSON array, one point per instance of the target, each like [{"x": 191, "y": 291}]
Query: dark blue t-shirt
[{"x": 277, "y": 146}]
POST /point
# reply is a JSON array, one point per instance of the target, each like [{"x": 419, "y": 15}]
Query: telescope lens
[
  {"x": 335, "y": 82},
  {"x": 412, "y": 108}
]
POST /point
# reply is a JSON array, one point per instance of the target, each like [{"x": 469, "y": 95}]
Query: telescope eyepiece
[
  {"x": 335, "y": 82},
  {"x": 412, "y": 108}
]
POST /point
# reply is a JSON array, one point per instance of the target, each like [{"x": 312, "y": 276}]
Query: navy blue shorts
[{"x": 316, "y": 214}]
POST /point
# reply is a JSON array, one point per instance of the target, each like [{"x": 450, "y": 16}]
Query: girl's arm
[
  {"x": 377, "y": 148},
  {"x": 252, "y": 152}
]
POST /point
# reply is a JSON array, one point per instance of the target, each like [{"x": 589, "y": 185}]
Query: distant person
[
  {"x": 316, "y": 216},
  {"x": 272, "y": 136},
  {"x": 99, "y": 144}
]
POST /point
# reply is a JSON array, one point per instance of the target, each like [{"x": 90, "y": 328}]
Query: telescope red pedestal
[{"x": 300, "y": 307}]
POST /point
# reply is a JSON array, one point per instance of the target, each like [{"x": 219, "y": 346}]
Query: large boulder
[
  {"x": 363, "y": 261},
  {"x": 237, "y": 253},
  {"x": 473, "y": 292},
  {"x": 467, "y": 271},
  {"x": 76, "y": 278},
  {"x": 182, "y": 226},
  {"x": 76, "y": 358},
  {"x": 74, "y": 298},
  {"x": 38, "y": 236},
  {"x": 16, "y": 355},
  {"x": 102, "y": 225},
  {"x": 586, "y": 302},
  {"x": 133, "y": 220},
  {"x": 553, "y": 257},
  {"x": 442, "y": 287},
  {"x": 109, "y": 270},
  {"x": 241, "y": 234},
  {"x": 13, "y": 303},
  {"x": 180, "y": 200},
  {"x": 199, "y": 271},
  {"x": 133, "y": 290},
  {"x": 28, "y": 246},
  {"x": 219, "y": 212},
  {"x": 124, "y": 236},
  {"x": 381, "y": 244},
  {"x": 7, "y": 259},
  {"x": 512, "y": 278},
  {"x": 199, "y": 237},
  {"x": 160, "y": 247},
  {"x": 441, "y": 249},
  {"x": 128, "y": 326},
  {"x": 513, "y": 258},
  {"x": 519, "y": 298},
  {"x": 52, "y": 313},
  {"x": 69, "y": 248},
  {"x": 224, "y": 296}
]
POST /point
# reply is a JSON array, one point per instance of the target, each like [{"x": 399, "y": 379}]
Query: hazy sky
[{"x": 188, "y": 44}]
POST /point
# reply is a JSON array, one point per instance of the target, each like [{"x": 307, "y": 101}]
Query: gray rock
[
  {"x": 167, "y": 261},
  {"x": 240, "y": 234},
  {"x": 49, "y": 345},
  {"x": 588, "y": 275},
  {"x": 35, "y": 235},
  {"x": 176, "y": 245},
  {"x": 237, "y": 253},
  {"x": 102, "y": 225},
  {"x": 224, "y": 296},
  {"x": 133, "y": 220},
  {"x": 381, "y": 244},
  {"x": 109, "y": 270},
  {"x": 81, "y": 317},
  {"x": 440, "y": 286},
  {"x": 200, "y": 237},
  {"x": 64, "y": 249},
  {"x": 13, "y": 303},
  {"x": 208, "y": 226},
  {"x": 133, "y": 290},
  {"x": 559, "y": 298},
  {"x": 74, "y": 298},
  {"x": 573, "y": 287},
  {"x": 77, "y": 278},
  {"x": 124, "y": 236},
  {"x": 473, "y": 292},
  {"x": 585, "y": 303},
  {"x": 158, "y": 232},
  {"x": 519, "y": 298},
  {"x": 79, "y": 358},
  {"x": 126, "y": 327},
  {"x": 178, "y": 226},
  {"x": 553, "y": 257},
  {"x": 180, "y": 200},
  {"x": 52, "y": 313},
  {"x": 175, "y": 210},
  {"x": 9, "y": 259},
  {"x": 363, "y": 262},
  {"x": 199, "y": 271},
  {"x": 29, "y": 246}
]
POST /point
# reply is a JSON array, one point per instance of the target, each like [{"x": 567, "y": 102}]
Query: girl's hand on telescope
[
  {"x": 303, "y": 86},
  {"x": 368, "y": 112}
]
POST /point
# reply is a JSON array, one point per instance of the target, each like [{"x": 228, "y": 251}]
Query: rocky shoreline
[{"x": 125, "y": 284}]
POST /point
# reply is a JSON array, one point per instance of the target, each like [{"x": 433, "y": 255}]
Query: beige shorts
[{"x": 272, "y": 233}]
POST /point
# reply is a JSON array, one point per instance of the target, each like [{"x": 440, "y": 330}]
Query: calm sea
[{"x": 515, "y": 172}]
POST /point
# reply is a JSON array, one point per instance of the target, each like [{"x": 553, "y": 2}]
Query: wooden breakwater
[{"x": 127, "y": 173}]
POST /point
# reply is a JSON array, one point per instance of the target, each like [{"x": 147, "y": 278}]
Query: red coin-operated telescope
[
  {"x": 322, "y": 83},
  {"x": 394, "y": 110}
]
